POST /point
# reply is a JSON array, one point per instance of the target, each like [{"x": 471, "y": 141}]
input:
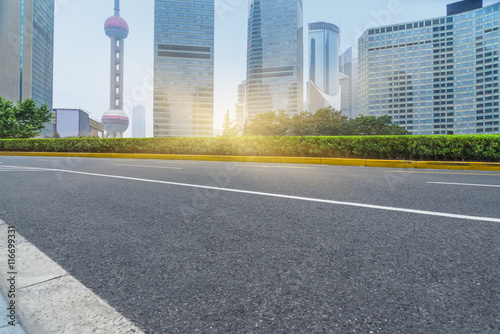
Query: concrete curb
[
  {"x": 48, "y": 300},
  {"x": 451, "y": 165}
]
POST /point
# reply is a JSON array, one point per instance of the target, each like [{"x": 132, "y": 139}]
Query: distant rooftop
[
  {"x": 85, "y": 111},
  {"x": 324, "y": 26},
  {"x": 464, "y": 6}
]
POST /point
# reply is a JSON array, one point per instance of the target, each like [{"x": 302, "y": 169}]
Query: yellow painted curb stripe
[
  {"x": 487, "y": 166},
  {"x": 343, "y": 162},
  {"x": 271, "y": 160},
  {"x": 391, "y": 163},
  {"x": 303, "y": 161},
  {"x": 449, "y": 165},
  {"x": 228, "y": 158}
]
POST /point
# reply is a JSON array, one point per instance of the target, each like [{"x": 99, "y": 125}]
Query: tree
[
  {"x": 7, "y": 119},
  {"x": 24, "y": 120},
  {"x": 329, "y": 122},
  {"x": 301, "y": 124},
  {"x": 269, "y": 124},
  {"x": 371, "y": 125},
  {"x": 245, "y": 128},
  {"x": 229, "y": 129},
  {"x": 262, "y": 125},
  {"x": 325, "y": 122}
]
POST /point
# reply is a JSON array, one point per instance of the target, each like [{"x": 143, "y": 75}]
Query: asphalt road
[{"x": 279, "y": 249}]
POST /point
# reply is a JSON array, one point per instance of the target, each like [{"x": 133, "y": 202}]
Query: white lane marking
[
  {"x": 169, "y": 162},
  {"x": 5, "y": 168},
  {"x": 147, "y": 166},
  {"x": 25, "y": 167},
  {"x": 23, "y": 170},
  {"x": 307, "y": 199},
  {"x": 450, "y": 173},
  {"x": 467, "y": 184},
  {"x": 275, "y": 166}
]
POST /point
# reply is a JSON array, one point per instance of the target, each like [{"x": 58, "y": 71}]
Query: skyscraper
[
  {"x": 354, "y": 85},
  {"x": 115, "y": 120},
  {"x": 323, "y": 89},
  {"x": 240, "y": 105},
  {"x": 138, "y": 122},
  {"x": 348, "y": 83},
  {"x": 275, "y": 57},
  {"x": 435, "y": 76},
  {"x": 27, "y": 52},
  {"x": 184, "y": 68}
]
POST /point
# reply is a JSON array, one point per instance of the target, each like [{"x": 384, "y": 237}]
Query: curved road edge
[{"x": 451, "y": 165}]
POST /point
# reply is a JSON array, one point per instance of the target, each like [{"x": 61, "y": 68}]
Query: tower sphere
[
  {"x": 115, "y": 122},
  {"x": 116, "y": 26}
]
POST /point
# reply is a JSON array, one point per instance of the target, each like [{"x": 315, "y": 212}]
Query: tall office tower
[
  {"x": 354, "y": 86},
  {"x": 27, "y": 52},
  {"x": 346, "y": 78},
  {"x": 323, "y": 89},
  {"x": 240, "y": 105},
  {"x": 345, "y": 93},
  {"x": 184, "y": 68},
  {"x": 115, "y": 119},
  {"x": 274, "y": 57},
  {"x": 138, "y": 122},
  {"x": 435, "y": 76},
  {"x": 348, "y": 83}
]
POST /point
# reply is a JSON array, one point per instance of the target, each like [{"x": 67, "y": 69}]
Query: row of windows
[
  {"x": 414, "y": 25},
  {"x": 488, "y": 130}
]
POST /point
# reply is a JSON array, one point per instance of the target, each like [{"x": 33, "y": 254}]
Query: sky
[{"x": 82, "y": 50}]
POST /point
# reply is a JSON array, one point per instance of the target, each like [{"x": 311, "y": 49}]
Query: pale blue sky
[{"x": 81, "y": 68}]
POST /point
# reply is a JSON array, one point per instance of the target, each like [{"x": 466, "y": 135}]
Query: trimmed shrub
[{"x": 444, "y": 148}]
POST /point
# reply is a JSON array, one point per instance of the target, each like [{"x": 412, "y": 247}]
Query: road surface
[{"x": 217, "y": 247}]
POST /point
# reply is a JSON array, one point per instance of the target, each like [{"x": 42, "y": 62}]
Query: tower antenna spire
[
  {"x": 117, "y": 7},
  {"x": 115, "y": 120}
]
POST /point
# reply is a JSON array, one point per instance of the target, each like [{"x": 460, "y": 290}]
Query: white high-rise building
[
  {"x": 138, "y": 121},
  {"x": 323, "y": 89},
  {"x": 240, "y": 105},
  {"x": 348, "y": 84},
  {"x": 435, "y": 76}
]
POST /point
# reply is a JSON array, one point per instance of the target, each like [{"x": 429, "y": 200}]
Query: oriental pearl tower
[{"x": 115, "y": 120}]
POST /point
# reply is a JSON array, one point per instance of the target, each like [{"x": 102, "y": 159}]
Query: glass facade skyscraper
[
  {"x": 138, "y": 121},
  {"x": 27, "y": 52},
  {"x": 43, "y": 51},
  {"x": 345, "y": 68},
  {"x": 348, "y": 83},
  {"x": 324, "y": 78},
  {"x": 184, "y": 68},
  {"x": 435, "y": 76},
  {"x": 240, "y": 105},
  {"x": 274, "y": 57}
]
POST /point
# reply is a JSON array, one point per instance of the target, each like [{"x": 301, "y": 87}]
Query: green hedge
[{"x": 444, "y": 148}]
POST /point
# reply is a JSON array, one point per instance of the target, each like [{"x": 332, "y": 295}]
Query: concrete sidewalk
[
  {"x": 49, "y": 300},
  {"x": 5, "y": 328}
]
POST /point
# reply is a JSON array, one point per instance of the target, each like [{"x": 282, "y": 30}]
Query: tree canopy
[
  {"x": 373, "y": 126},
  {"x": 229, "y": 128},
  {"x": 325, "y": 122},
  {"x": 24, "y": 120}
]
